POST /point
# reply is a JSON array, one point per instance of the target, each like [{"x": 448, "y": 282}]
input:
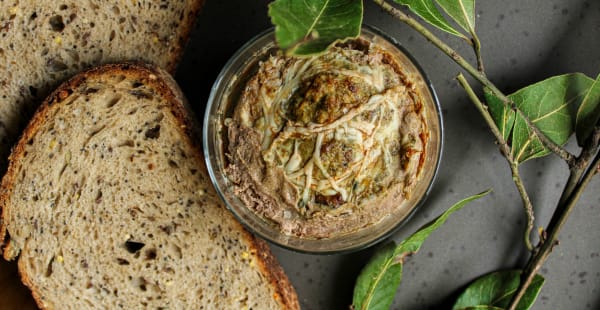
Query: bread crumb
[
  {"x": 152, "y": 77},
  {"x": 63, "y": 94}
]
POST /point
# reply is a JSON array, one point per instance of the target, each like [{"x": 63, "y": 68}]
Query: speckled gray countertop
[{"x": 523, "y": 42}]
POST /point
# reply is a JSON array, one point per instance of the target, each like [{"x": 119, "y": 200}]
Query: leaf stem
[
  {"x": 505, "y": 149},
  {"x": 477, "y": 49},
  {"x": 538, "y": 260}
]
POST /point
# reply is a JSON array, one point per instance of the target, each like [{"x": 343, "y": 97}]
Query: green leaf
[
  {"x": 549, "y": 105},
  {"x": 495, "y": 291},
  {"x": 461, "y": 11},
  {"x": 379, "y": 280},
  {"x": 310, "y": 26},
  {"x": 427, "y": 10},
  {"x": 503, "y": 116},
  {"x": 588, "y": 113}
]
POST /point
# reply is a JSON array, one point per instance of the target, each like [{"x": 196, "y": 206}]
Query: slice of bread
[
  {"x": 42, "y": 43},
  {"x": 107, "y": 204}
]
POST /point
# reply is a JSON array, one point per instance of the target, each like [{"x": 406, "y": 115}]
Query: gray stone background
[{"x": 523, "y": 42}]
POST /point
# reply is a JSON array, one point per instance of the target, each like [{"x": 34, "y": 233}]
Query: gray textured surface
[{"x": 523, "y": 42}]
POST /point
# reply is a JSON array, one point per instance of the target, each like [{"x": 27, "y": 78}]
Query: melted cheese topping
[{"x": 352, "y": 142}]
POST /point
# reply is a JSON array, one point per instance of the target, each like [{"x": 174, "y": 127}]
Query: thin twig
[
  {"x": 590, "y": 148},
  {"x": 577, "y": 169},
  {"x": 574, "y": 177},
  {"x": 538, "y": 260},
  {"x": 505, "y": 149},
  {"x": 479, "y": 76}
]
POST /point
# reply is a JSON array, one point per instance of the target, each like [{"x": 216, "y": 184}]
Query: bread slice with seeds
[
  {"x": 107, "y": 204},
  {"x": 42, "y": 43}
]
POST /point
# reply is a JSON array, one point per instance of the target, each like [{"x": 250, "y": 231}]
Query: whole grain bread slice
[
  {"x": 42, "y": 43},
  {"x": 107, "y": 204}
]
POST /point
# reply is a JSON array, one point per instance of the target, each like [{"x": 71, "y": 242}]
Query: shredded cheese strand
[{"x": 349, "y": 128}]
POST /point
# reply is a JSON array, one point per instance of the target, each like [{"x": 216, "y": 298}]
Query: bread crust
[
  {"x": 277, "y": 277},
  {"x": 166, "y": 87}
]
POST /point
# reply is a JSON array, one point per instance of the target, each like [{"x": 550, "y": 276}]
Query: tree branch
[
  {"x": 578, "y": 167},
  {"x": 539, "y": 259},
  {"x": 478, "y": 75},
  {"x": 505, "y": 149}
]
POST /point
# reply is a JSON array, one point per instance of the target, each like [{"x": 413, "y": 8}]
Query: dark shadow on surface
[
  {"x": 553, "y": 63},
  {"x": 345, "y": 274},
  {"x": 221, "y": 29},
  {"x": 13, "y": 294}
]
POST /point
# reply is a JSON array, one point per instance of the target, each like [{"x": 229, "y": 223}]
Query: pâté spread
[{"x": 324, "y": 146}]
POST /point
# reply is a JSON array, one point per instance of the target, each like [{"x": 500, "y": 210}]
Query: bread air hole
[
  {"x": 56, "y": 22},
  {"x": 49, "y": 268},
  {"x": 122, "y": 261},
  {"x": 133, "y": 246},
  {"x": 114, "y": 100},
  {"x": 151, "y": 254},
  {"x": 140, "y": 283},
  {"x": 173, "y": 164},
  {"x": 153, "y": 133}
]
